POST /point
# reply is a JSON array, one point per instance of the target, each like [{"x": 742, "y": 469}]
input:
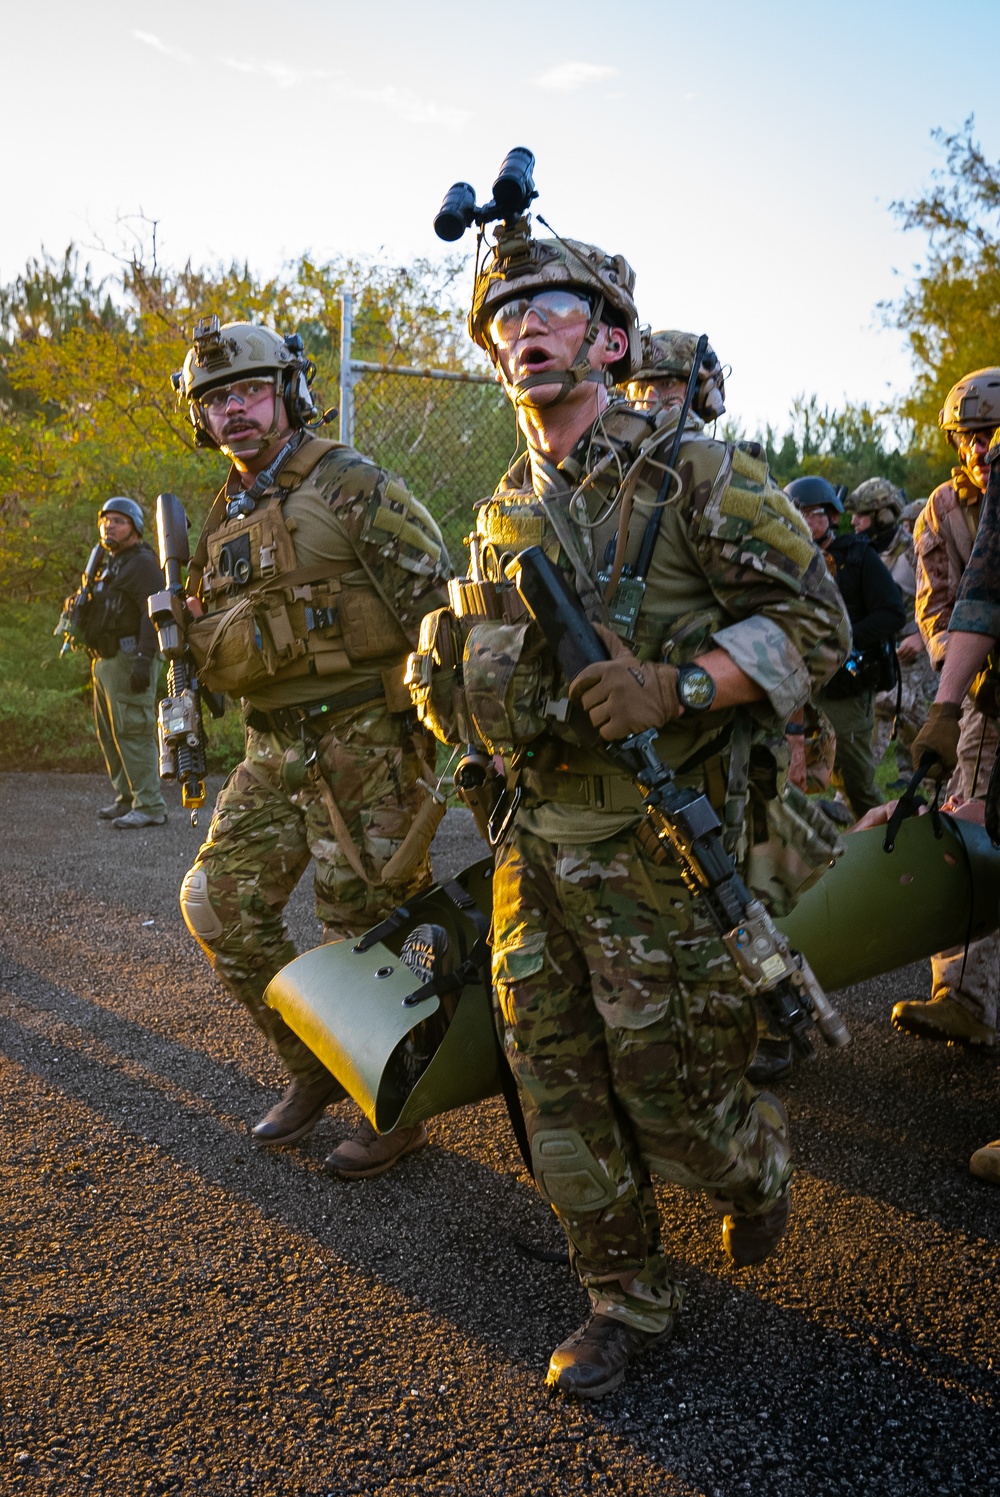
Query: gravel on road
[{"x": 183, "y": 1312}]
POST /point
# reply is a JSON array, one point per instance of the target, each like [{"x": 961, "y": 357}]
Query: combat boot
[
  {"x": 134, "y": 819},
  {"x": 943, "y": 1018},
  {"x": 985, "y": 1162},
  {"x": 368, "y": 1153},
  {"x": 750, "y": 1239},
  {"x": 299, "y": 1110},
  {"x": 591, "y": 1363}
]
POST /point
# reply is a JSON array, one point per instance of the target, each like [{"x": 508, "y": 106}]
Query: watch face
[{"x": 696, "y": 688}]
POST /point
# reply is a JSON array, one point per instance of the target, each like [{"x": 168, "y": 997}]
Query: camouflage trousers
[
  {"x": 262, "y": 837},
  {"x": 918, "y": 689},
  {"x": 628, "y": 1035},
  {"x": 972, "y": 977}
]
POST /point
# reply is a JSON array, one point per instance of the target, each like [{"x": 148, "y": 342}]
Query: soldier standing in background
[
  {"x": 311, "y": 576},
  {"x": 963, "y": 1003},
  {"x": 625, "y": 1023},
  {"x": 875, "y": 609},
  {"x": 662, "y": 376},
  {"x": 121, "y": 637},
  {"x": 879, "y": 511}
]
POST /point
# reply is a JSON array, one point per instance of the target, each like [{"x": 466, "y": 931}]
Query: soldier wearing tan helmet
[
  {"x": 963, "y": 1002},
  {"x": 878, "y": 510},
  {"x": 603, "y": 968},
  {"x": 308, "y": 585},
  {"x": 663, "y": 374}
]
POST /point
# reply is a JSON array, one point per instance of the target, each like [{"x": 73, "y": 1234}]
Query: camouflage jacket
[
  {"x": 942, "y": 540},
  {"x": 733, "y": 566},
  {"x": 977, "y": 603}
]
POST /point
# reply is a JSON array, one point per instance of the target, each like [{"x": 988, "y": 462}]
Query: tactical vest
[
  {"x": 268, "y": 619},
  {"x": 483, "y": 671}
]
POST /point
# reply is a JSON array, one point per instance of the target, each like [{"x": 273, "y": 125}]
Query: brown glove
[
  {"x": 939, "y": 738},
  {"x": 624, "y": 695}
]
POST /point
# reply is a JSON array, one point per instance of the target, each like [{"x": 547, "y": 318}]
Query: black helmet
[
  {"x": 814, "y": 492},
  {"x": 122, "y": 506}
]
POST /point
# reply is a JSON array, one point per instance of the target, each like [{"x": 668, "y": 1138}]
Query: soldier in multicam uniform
[
  {"x": 625, "y": 1024},
  {"x": 878, "y": 509},
  {"x": 309, "y": 582},
  {"x": 665, "y": 369},
  {"x": 963, "y": 1002}
]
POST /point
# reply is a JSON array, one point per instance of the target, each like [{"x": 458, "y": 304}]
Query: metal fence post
[{"x": 346, "y": 372}]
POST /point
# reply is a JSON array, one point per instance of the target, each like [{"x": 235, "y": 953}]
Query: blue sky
[{"x": 742, "y": 156}]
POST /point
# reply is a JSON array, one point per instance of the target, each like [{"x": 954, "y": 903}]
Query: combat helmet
[
  {"x": 914, "y": 510},
  {"x": 222, "y": 353},
  {"x": 520, "y": 265},
  {"x": 669, "y": 354},
  {"x": 972, "y": 404},
  {"x": 879, "y": 498},
  {"x": 119, "y": 505},
  {"x": 813, "y": 492}
]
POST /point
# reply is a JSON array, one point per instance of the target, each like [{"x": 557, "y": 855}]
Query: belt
[
  {"x": 311, "y": 715},
  {"x": 604, "y": 792}
]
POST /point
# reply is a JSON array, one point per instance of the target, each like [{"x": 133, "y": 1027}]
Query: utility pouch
[
  {"x": 229, "y": 649},
  {"x": 506, "y": 684},
  {"x": 434, "y": 678},
  {"x": 371, "y": 630}
]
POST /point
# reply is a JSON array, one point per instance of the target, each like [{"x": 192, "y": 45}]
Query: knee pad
[
  {"x": 566, "y": 1172},
  {"x": 199, "y": 916}
]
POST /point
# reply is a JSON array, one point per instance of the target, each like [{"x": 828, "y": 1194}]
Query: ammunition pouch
[
  {"x": 797, "y": 845},
  {"x": 474, "y": 680}
]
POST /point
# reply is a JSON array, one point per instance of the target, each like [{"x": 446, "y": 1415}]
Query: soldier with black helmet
[
  {"x": 122, "y": 642},
  {"x": 309, "y": 582},
  {"x": 875, "y": 608},
  {"x": 625, "y": 1025}
]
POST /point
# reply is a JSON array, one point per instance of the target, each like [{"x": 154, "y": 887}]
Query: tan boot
[
  {"x": 943, "y": 1018},
  {"x": 592, "y": 1362},
  {"x": 298, "y": 1112},
  {"x": 368, "y": 1153},
  {"x": 985, "y": 1162}
]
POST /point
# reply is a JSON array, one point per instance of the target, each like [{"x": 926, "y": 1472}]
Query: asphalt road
[{"x": 183, "y": 1313}]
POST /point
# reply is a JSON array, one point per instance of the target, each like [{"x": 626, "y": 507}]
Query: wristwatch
[{"x": 695, "y": 688}]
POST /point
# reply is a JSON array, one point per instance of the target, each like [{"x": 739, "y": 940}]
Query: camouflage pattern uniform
[
  {"x": 331, "y": 762},
  {"x": 919, "y": 682},
  {"x": 943, "y": 540},
  {"x": 624, "y": 1021}
]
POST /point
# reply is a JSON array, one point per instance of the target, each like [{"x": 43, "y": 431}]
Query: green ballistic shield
[
  {"x": 356, "y": 1006},
  {"x": 869, "y": 913},
  {"x": 874, "y": 911}
]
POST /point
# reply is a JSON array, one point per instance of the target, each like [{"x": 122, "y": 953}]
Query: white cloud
[
  {"x": 280, "y": 73},
  {"x": 149, "y": 40},
  {"x": 390, "y": 99},
  {"x": 565, "y": 77}
]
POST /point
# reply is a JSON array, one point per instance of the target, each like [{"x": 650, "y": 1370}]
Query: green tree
[{"x": 951, "y": 313}]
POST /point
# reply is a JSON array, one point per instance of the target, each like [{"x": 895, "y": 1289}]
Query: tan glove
[
  {"x": 939, "y": 738},
  {"x": 624, "y": 695}
]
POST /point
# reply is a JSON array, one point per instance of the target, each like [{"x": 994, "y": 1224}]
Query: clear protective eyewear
[
  {"x": 243, "y": 391},
  {"x": 555, "y": 308}
]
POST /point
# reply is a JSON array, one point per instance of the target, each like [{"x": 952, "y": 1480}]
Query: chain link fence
[{"x": 450, "y": 436}]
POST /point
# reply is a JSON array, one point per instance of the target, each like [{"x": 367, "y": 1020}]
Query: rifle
[
  {"x": 70, "y": 620},
  {"x": 179, "y": 726},
  {"x": 686, "y": 827}
]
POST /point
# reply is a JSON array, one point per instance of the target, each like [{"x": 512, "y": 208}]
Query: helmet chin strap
[{"x": 580, "y": 372}]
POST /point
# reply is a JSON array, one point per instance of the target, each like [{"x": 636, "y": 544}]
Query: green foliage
[
  {"x": 85, "y": 383},
  {"x": 951, "y": 314},
  {"x": 46, "y": 704},
  {"x": 849, "y": 445}
]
